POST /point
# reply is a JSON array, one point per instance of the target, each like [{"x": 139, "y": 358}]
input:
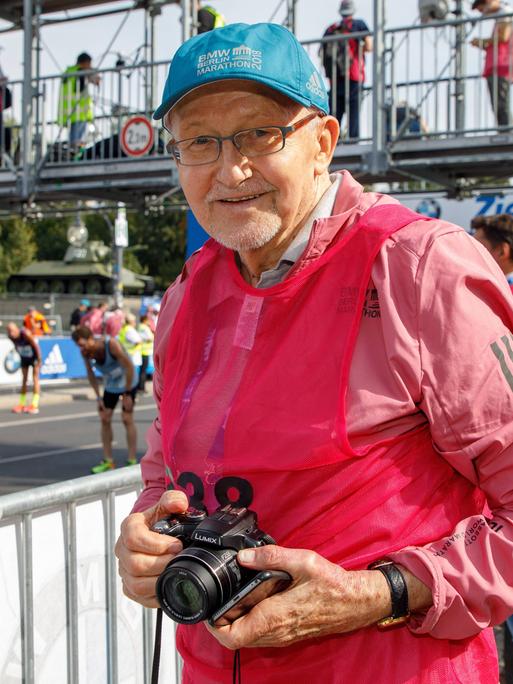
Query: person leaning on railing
[
  {"x": 76, "y": 107},
  {"x": 498, "y": 68},
  {"x": 340, "y": 365}
]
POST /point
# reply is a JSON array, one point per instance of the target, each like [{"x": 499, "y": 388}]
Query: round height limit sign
[{"x": 137, "y": 136}]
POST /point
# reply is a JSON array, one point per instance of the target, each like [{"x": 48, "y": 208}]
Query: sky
[{"x": 62, "y": 43}]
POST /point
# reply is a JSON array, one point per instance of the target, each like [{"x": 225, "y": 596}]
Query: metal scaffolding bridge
[{"x": 423, "y": 74}]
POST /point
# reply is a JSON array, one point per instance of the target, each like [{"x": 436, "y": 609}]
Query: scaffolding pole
[
  {"x": 27, "y": 111},
  {"x": 377, "y": 158},
  {"x": 290, "y": 22},
  {"x": 189, "y": 18},
  {"x": 459, "y": 70}
]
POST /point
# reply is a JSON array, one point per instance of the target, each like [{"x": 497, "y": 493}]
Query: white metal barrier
[{"x": 64, "y": 618}]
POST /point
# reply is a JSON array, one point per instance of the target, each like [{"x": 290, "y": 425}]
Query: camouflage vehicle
[{"x": 85, "y": 269}]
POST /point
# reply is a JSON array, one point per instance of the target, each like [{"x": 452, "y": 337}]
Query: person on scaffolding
[
  {"x": 344, "y": 65},
  {"x": 341, "y": 366},
  {"x": 106, "y": 355},
  {"x": 28, "y": 349},
  {"x": 209, "y": 18},
  {"x": 498, "y": 66},
  {"x": 76, "y": 107}
]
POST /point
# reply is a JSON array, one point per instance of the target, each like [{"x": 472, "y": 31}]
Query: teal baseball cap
[{"x": 266, "y": 53}]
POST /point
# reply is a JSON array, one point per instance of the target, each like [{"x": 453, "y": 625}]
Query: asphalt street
[{"x": 63, "y": 441}]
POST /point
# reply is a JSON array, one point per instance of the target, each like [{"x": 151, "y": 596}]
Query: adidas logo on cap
[{"x": 314, "y": 85}]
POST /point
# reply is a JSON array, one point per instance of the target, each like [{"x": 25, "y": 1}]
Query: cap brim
[{"x": 165, "y": 107}]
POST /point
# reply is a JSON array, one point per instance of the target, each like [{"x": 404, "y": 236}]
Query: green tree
[
  {"x": 159, "y": 243},
  {"x": 17, "y": 247},
  {"x": 50, "y": 236}
]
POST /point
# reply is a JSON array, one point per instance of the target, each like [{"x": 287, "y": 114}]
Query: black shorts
[
  {"x": 110, "y": 399},
  {"x": 27, "y": 363}
]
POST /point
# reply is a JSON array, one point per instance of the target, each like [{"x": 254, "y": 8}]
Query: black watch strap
[{"x": 398, "y": 594}]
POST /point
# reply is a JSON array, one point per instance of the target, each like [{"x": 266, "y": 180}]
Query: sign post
[{"x": 120, "y": 242}]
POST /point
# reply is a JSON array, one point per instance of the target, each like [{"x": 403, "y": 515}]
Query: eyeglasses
[{"x": 250, "y": 142}]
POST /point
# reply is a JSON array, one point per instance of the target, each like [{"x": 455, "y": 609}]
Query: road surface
[{"x": 63, "y": 441}]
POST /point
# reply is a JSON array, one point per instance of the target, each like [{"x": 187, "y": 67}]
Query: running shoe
[
  {"x": 103, "y": 466},
  {"x": 19, "y": 408},
  {"x": 31, "y": 409},
  {"x": 131, "y": 461}
]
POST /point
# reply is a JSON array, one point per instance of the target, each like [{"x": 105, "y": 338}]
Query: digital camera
[{"x": 204, "y": 579}]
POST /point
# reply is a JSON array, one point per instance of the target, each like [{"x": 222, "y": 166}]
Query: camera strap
[
  {"x": 236, "y": 674},
  {"x": 156, "y": 648}
]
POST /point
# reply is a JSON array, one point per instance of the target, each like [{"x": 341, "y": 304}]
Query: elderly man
[{"x": 339, "y": 365}]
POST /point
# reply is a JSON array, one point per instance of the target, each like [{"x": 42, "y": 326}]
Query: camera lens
[
  {"x": 187, "y": 596},
  {"x": 196, "y": 583}
]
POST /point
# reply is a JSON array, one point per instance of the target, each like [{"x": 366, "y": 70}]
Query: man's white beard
[{"x": 250, "y": 236}]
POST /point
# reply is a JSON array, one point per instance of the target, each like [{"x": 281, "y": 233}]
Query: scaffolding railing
[
  {"x": 431, "y": 86},
  {"x": 64, "y": 617}
]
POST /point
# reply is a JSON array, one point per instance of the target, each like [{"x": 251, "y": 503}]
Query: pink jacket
[{"x": 432, "y": 346}]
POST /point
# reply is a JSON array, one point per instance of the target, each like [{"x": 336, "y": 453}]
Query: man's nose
[{"x": 233, "y": 167}]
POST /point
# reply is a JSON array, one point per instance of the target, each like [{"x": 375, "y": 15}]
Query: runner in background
[
  {"x": 27, "y": 347},
  {"x": 106, "y": 355}
]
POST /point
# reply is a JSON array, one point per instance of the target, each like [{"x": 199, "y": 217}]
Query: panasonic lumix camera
[{"x": 204, "y": 580}]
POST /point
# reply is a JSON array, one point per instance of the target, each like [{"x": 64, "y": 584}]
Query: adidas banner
[
  {"x": 60, "y": 355},
  {"x": 61, "y": 359}
]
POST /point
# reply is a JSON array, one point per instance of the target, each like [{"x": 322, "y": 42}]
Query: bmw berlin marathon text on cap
[{"x": 266, "y": 53}]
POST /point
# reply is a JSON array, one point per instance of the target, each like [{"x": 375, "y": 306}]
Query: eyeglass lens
[{"x": 250, "y": 143}]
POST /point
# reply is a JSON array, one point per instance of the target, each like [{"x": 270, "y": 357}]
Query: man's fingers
[
  {"x": 170, "y": 502},
  {"x": 149, "y": 601},
  {"x": 297, "y": 562},
  {"x": 137, "y": 538},
  {"x": 142, "y": 565}
]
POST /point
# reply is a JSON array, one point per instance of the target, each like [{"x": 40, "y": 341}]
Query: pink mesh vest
[{"x": 253, "y": 412}]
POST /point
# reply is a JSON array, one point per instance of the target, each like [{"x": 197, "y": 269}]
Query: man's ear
[{"x": 327, "y": 136}]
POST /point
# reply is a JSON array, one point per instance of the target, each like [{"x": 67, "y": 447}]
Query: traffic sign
[{"x": 137, "y": 136}]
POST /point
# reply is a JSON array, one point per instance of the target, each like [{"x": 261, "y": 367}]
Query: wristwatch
[{"x": 398, "y": 594}]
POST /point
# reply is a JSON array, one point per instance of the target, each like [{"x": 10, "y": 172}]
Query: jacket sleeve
[
  {"x": 152, "y": 463},
  {"x": 465, "y": 318}
]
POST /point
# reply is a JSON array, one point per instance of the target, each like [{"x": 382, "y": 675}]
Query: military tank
[{"x": 85, "y": 269}]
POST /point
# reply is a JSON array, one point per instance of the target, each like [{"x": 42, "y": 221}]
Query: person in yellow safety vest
[
  {"x": 76, "y": 109},
  {"x": 131, "y": 341},
  {"x": 209, "y": 18},
  {"x": 146, "y": 334}
]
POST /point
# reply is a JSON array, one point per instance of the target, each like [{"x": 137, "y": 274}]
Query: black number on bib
[
  {"x": 198, "y": 491},
  {"x": 241, "y": 487}
]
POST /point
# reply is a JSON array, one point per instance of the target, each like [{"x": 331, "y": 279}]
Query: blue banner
[
  {"x": 61, "y": 359},
  {"x": 196, "y": 236}
]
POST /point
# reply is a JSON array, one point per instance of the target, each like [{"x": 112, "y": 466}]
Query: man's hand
[
  {"x": 480, "y": 43},
  {"x": 144, "y": 554},
  {"x": 127, "y": 402},
  {"x": 322, "y": 599}
]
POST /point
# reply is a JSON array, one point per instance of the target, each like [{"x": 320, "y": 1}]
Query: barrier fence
[{"x": 64, "y": 618}]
